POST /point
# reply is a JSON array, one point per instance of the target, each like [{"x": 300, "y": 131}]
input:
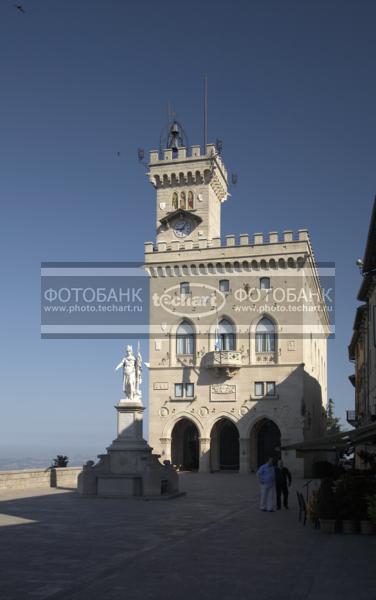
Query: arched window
[
  {"x": 185, "y": 339},
  {"x": 185, "y": 288},
  {"x": 175, "y": 201},
  {"x": 265, "y": 336},
  {"x": 190, "y": 200},
  {"x": 224, "y": 285},
  {"x": 183, "y": 201},
  {"x": 225, "y": 338},
  {"x": 264, "y": 283}
]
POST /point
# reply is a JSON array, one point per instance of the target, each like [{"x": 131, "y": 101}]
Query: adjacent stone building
[
  {"x": 238, "y": 327},
  {"x": 362, "y": 348}
]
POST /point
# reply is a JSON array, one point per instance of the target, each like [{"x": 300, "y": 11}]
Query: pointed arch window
[
  {"x": 175, "y": 201},
  {"x": 185, "y": 339},
  {"x": 225, "y": 336},
  {"x": 265, "y": 336},
  {"x": 190, "y": 200}
]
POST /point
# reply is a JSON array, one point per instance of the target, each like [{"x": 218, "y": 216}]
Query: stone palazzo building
[
  {"x": 362, "y": 348},
  {"x": 238, "y": 328}
]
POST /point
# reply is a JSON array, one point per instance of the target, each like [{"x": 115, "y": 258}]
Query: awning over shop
[{"x": 337, "y": 441}]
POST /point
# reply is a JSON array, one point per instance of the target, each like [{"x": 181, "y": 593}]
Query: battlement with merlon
[
  {"x": 232, "y": 241},
  {"x": 184, "y": 155}
]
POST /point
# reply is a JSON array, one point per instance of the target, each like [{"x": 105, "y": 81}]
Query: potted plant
[
  {"x": 349, "y": 523},
  {"x": 368, "y": 525},
  {"x": 312, "y": 509},
  {"x": 345, "y": 503},
  {"x": 352, "y": 492},
  {"x": 326, "y": 506},
  {"x": 348, "y": 494},
  {"x": 365, "y": 523},
  {"x": 60, "y": 461}
]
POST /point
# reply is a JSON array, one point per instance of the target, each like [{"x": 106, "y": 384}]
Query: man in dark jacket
[{"x": 282, "y": 484}]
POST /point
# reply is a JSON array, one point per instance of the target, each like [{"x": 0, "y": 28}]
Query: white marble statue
[
  {"x": 138, "y": 370},
  {"x": 132, "y": 369}
]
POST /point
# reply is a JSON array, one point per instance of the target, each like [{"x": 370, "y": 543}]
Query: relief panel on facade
[
  {"x": 222, "y": 392},
  {"x": 160, "y": 385}
]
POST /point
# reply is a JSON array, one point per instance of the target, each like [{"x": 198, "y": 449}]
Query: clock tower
[
  {"x": 234, "y": 373},
  {"x": 190, "y": 188}
]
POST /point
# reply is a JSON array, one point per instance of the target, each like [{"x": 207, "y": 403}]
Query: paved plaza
[{"x": 212, "y": 542}]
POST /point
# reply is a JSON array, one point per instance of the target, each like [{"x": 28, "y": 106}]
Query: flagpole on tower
[{"x": 217, "y": 343}]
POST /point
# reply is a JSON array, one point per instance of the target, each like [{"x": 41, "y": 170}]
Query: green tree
[
  {"x": 60, "y": 461},
  {"x": 333, "y": 423}
]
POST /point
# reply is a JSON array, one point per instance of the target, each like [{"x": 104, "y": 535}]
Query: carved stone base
[
  {"x": 129, "y": 468},
  {"x": 128, "y": 473}
]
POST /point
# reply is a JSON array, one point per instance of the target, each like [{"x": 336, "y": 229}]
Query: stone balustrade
[{"x": 223, "y": 359}]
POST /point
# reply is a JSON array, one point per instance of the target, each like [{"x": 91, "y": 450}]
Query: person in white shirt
[{"x": 266, "y": 477}]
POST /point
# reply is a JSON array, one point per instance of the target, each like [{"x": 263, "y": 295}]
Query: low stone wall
[{"x": 40, "y": 478}]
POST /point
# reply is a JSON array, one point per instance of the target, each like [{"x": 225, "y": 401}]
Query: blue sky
[{"x": 292, "y": 94}]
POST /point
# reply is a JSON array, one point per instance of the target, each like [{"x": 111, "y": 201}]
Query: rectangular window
[
  {"x": 265, "y": 283},
  {"x": 224, "y": 285},
  {"x": 265, "y": 342},
  {"x": 189, "y": 390},
  {"x": 270, "y": 388},
  {"x": 185, "y": 288},
  {"x": 259, "y": 388},
  {"x": 185, "y": 344},
  {"x": 184, "y": 390},
  {"x": 226, "y": 341},
  {"x": 180, "y": 344},
  {"x": 178, "y": 390}
]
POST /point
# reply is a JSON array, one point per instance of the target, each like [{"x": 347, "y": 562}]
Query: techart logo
[{"x": 200, "y": 301}]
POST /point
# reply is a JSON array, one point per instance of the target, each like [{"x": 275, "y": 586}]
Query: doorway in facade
[
  {"x": 185, "y": 445},
  {"x": 268, "y": 442},
  {"x": 224, "y": 447}
]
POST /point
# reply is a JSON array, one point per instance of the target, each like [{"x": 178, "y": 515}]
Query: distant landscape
[{"x": 10, "y": 461}]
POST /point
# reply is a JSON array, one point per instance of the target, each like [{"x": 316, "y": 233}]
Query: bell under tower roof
[
  {"x": 190, "y": 184},
  {"x": 173, "y": 137}
]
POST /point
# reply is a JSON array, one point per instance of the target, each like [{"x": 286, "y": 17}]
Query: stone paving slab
[{"x": 212, "y": 542}]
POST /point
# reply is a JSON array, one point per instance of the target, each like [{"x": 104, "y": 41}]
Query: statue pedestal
[
  {"x": 129, "y": 468},
  {"x": 129, "y": 425}
]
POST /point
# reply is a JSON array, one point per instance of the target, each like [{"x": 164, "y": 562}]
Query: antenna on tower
[
  {"x": 205, "y": 111},
  {"x": 169, "y": 114}
]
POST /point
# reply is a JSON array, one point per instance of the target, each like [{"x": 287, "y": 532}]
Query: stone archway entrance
[
  {"x": 185, "y": 445},
  {"x": 224, "y": 446},
  {"x": 265, "y": 443}
]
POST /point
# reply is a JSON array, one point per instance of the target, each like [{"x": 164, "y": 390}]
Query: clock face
[{"x": 182, "y": 228}]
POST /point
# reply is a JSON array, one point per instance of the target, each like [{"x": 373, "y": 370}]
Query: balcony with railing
[{"x": 224, "y": 361}]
